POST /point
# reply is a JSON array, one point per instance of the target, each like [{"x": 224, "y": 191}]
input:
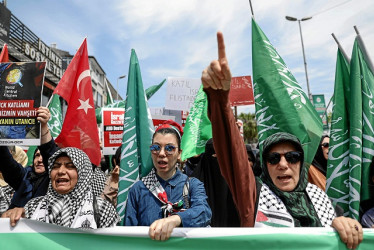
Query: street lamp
[
  {"x": 117, "y": 84},
  {"x": 290, "y": 18}
]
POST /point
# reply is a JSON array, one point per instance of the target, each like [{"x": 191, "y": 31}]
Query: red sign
[
  {"x": 241, "y": 91},
  {"x": 112, "y": 131}
]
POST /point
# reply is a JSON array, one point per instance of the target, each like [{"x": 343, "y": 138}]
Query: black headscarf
[
  {"x": 297, "y": 201},
  {"x": 36, "y": 178},
  {"x": 319, "y": 160},
  {"x": 224, "y": 213}
]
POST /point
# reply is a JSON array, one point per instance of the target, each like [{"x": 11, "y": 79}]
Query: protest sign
[
  {"x": 241, "y": 91},
  {"x": 181, "y": 93},
  {"x": 112, "y": 129},
  {"x": 21, "y": 86}
]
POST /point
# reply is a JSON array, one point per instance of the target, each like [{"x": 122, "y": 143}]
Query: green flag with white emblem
[
  {"x": 361, "y": 127},
  {"x": 198, "y": 128},
  {"x": 337, "y": 173},
  {"x": 136, "y": 161},
  {"x": 55, "y": 123},
  {"x": 281, "y": 104}
]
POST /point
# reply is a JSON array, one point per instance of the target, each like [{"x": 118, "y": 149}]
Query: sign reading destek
[
  {"x": 112, "y": 129},
  {"x": 181, "y": 93},
  {"x": 241, "y": 91}
]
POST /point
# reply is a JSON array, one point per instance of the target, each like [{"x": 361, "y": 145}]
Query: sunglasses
[
  {"x": 169, "y": 149},
  {"x": 325, "y": 144},
  {"x": 291, "y": 157}
]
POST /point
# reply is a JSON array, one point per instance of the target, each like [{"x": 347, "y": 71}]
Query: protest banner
[
  {"x": 112, "y": 129},
  {"x": 241, "y": 91},
  {"x": 181, "y": 93},
  {"x": 39, "y": 235},
  {"x": 21, "y": 86}
]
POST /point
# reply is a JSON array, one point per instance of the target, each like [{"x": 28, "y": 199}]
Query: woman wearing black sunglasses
[
  {"x": 282, "y": 196},
  {"x": 317, "y": 171},
  {"x": 166, "y": 198}
]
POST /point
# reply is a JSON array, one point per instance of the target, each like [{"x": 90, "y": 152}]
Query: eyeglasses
[
  {"x": 325, "y": 144},
  {"x": 169, "y": 149},
  {"x": 291, "y": 157}
]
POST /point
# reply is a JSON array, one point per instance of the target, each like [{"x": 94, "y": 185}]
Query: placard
[
  {"x": 241, "y": 91},
  {"x": 181, "y": 93},
  {"x": 21, "y": 86}
]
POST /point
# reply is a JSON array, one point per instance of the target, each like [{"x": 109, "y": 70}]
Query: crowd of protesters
[{"x": 226, "y": 186}]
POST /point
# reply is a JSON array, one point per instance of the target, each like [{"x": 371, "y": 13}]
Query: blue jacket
[
  {"x": 19, "y": 178},
  {"x": 143, "y": 208}
]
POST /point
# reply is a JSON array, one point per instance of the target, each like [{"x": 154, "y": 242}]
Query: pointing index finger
[{"x": 221, "y": 46}]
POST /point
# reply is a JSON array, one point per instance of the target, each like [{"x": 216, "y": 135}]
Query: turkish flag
[
  {"x": 4, "y": 57},
  {"x": 80, "y": 127}
]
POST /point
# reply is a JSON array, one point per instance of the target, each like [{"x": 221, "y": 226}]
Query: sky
[{"x": 178, "y": 38}]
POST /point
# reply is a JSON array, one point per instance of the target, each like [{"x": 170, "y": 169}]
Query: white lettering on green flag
[
  {"x": 55, "y": 123},
  {"x": 138, "y": 129},
  {"x": 361, "y": 126},
  {"x": 198, "y": 128},
  {"x": 280, "y": 102},
  {"x": 337, "y": 174}
]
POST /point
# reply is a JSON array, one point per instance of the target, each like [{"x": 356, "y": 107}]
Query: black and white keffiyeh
[
  {"x": 98, "y": 182},
  {"x": 75, "y": 209}
]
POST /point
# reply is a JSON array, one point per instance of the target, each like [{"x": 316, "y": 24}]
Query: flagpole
[
  {"x": 49, "y": 101},
  {"x": 364, "y": 50},
  {"x": 250, "y": 4},
  {"x": 340, "y": 47}
]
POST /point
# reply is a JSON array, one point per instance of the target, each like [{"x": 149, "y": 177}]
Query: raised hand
[{"x": 218, "y": 75}]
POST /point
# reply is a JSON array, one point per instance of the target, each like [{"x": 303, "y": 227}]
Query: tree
[{"x": 249, "y": 127}]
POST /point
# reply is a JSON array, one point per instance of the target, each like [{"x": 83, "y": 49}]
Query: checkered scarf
[
  {"x": 151, "y": 182},
  {"x": 98, "y": 181},
  {"x": 75, "y": 209}
]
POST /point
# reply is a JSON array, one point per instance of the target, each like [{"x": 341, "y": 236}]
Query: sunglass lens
[
  {"x": 325, "y": 145},
  {"x": 169, "y": 148},
  {"x": 155, "y": 148},
  {"x": 293, "y": 157},
  {"x": 273, "y": 158}
]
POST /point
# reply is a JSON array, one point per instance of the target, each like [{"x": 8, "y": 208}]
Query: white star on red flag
[{"x": 84, "y": 105}]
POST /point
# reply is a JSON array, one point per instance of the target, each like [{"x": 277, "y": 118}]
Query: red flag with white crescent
[
  {"x": 4, "y": 57},
  {"x": 80, "y": 127}
]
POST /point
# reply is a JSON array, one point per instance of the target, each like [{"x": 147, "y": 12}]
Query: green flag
[
  {"x": 153, "y": 89},
  {"x": 337, "y": 173},
  {"x": 136, "y": 161},
  {"x": 198, "y": 128},
  {"x": 109, "y": 98},
  {"x": 361, "y": 126},
  {"x": 281, "y": 104},
  {"x": 121, "y": 104},
  {"x": 54, "y": 124}
]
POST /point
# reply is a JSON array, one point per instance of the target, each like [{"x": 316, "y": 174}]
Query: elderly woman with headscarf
[
  {"x": 166, "y": 198},
  {"x": 69, "y": 200},
  {"x": 282, "y": 196}
]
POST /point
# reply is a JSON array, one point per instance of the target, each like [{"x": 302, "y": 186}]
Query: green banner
[
  {"x": 30, "y": 234},
  {"x": 320, "y": 106}
]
